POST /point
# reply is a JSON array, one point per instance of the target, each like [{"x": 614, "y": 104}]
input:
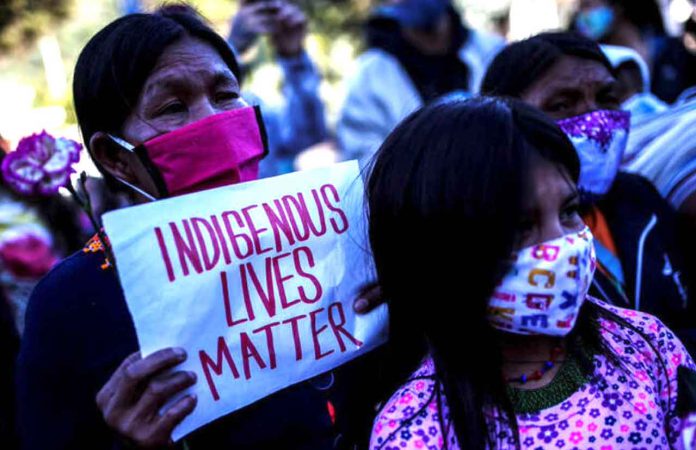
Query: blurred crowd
[{"x": 431, "y": 100}]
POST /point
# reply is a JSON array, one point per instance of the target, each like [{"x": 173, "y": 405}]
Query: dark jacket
[
  {"x": 78, "y": 331},
  {"x": 9, "y": 346},
  {"x": 644, "y": 230}
]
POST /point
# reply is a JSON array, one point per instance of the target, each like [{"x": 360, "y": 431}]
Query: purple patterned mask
[{"x": 600, "y": 139}]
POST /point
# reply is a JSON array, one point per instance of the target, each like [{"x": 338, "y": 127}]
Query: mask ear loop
[
  {"x": 146, "y": 162},
  {"x": 262, "y": 130}
]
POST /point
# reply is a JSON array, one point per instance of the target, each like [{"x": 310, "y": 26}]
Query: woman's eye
[
  {"x": 558, "y": 107},
  {"x": 609, "y": 101},
  {"x": 172, "y": 108},
  {"x": 226, "y": 96}
]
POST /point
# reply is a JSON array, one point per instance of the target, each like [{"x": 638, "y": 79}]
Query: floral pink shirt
[{"x": 613, "y": 411}]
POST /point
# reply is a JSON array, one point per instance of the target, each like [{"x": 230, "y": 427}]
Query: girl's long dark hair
[{"x": 444, "y": 196}]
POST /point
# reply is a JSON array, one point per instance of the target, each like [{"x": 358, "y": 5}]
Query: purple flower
[
  {"x": 41, "y": 165},
  {"x": 641, "y": 425},
  {"x": 547, "y": 434},
  {"x": 530, "y": 417},
  {"x": 612, "y": 401},
  {"x": 606, "y": 434},
  {"x": 635, "y": 438}
]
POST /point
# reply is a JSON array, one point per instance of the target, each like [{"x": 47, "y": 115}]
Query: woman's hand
[
  {"x": 369, "y": 298},
  {"x": 132, "y": 398}
]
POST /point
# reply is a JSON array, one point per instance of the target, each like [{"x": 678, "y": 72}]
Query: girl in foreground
[{"x": 494, "y": 341}]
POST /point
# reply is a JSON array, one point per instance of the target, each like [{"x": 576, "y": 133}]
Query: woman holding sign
[
  {"x": 158, "y": 102},
  {"x": 494, "y": 341}
]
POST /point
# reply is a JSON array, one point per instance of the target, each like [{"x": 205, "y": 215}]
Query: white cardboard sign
[{"x": 255, "y": 281}]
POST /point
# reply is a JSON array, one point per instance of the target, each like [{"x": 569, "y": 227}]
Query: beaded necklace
[{"x": 539, "y": 373}]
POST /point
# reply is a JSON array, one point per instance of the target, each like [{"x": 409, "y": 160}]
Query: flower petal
[{"x": 41, "y": 164}]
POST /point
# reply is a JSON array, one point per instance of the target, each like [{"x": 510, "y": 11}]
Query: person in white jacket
[{"x": 418, "y": 51}]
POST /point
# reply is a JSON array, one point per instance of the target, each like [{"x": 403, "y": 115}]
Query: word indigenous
[{"x": 203, "y": 243}]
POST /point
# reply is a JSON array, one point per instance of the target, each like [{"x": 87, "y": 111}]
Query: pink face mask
[{"x": 216, "y": 151}]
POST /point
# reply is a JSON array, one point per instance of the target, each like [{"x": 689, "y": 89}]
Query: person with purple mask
[{"x": 642, "y": 261}]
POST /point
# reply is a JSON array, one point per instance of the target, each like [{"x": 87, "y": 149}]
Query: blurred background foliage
[
  {"x": 22, "y": 21},
  {"x": 40, "y": 41}
]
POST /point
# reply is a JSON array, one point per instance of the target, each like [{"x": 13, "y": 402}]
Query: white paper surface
[{"x": 300, "y": 278}]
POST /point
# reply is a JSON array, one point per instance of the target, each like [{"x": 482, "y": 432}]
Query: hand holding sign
[
  {"x": 132, "y": 399},
  {"x": 146, "y": 384},
  {"x": 255, "y": 281}
]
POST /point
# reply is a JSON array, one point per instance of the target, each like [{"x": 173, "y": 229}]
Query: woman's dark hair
[
  {"x": 519, "y": 65},
  {"x": 114, "y": 65},
  {"x": 445, "y": 195}
]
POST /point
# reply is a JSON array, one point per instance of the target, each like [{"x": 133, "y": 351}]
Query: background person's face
[
  {"x": 572, "y": 87},
  {"x": 551, "y": 206}
]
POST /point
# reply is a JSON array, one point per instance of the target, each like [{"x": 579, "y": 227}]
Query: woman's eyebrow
[
  {"x": 164, "y": 84},
  {"x": 564, "y": 93},
  {"x": 224, "y": 78}
]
